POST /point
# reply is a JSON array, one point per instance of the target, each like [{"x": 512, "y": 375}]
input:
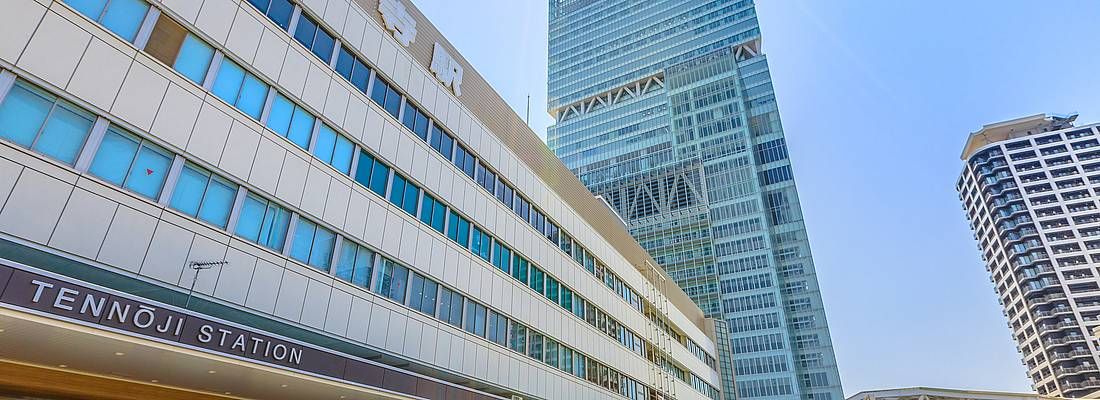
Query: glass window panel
[
  {"x": 345, "y": 63},
  {"x": 280, "y": 115},
  {"x": 91, "y": 8},
  {"x": 64, "y": 133},
  {"x": 326, "y": 140},
  {"x": 194, "y": 59},
  {"x": 341, "y": 155},
  {"x": 345, "y": 265},
  {"x": 379, "y": 177},
  {"x": 393, "y": 101},
  {"x": 306, "y": 31},
  {"x": 426, "y": 207},
  {"x": 409, "y": 117},
  {"x": 412, "y": 194},
  {"x": 303, "y": 240},
  {"x": 218, "y": 202},
  {"x": 251, "y": 218},
  {"x": 253, "y": 96},
  {"x": 228, "y": 83},
  {"x": 428, "y": 304},
  {"x": 261, "y": 5},
  {"x": 362, "y": 169},
  {"x": 187, "y": 196},
  {"x": 124, "y": 17},
  {"x": 149, "y": 171},
  {"x": 360, "y": 76},
  {"x": 320, "y": 255},
  {"x": 421, "y": 128},
  {"x": 280, "y": 12},
  {"x": 463, "y": 232},
  {"x": 23, "y": 113},
  {"x": 397, "y": 190},
  {"x": 439, "y": 216},
  {"x": 112, "y": 160},
  {"x": 323, "y": 45},
  {"x": 378, "y": 91},
  {"x": 301, "y": 127},
  {"x": 364, "y": 262}
]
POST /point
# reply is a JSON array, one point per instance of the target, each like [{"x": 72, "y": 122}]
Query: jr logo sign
[{"x": 447, "y": 69}]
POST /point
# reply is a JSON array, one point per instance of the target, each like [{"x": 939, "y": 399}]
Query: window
[
  {"x": 459, "y": 230},
  {"x": 537, "y": 280},
  {"x": 566, "y": 301},
  {"x": 355, "y": 264},
  {"x": 372, "y": 173},
  {"x": 240, "y": 89},
  {"x": 497, "y": 330},
  {"x": 534, "y": 346},
  {"x": 442, "y": 141},
  {"x": 475, "y": 318},
  {"x": 279, "y": 11},
  {"x": 392, "y": 280},
  {"x": 519, "y": 268},
  {"x": 550, "y": 354},
  {"x": 314, "y": 38},
  {"x": 386, "y": 96},
  {"x": 40, "y": 122},
  {"x": 353, "y": 69},
  {"x": 334, "y": 149},
  {"x": 291, "y": 121},
  {"x": 776, "y": 175},
  {"x": 502, "y": 256},
  {"x": 173, "y": 45},
  {"x": 432, "y": 212},
  {"x": 415, "y": 120},
  {"x": 480, "y": 243},
  {"x": 263, "y": 222},
  {"x": 465, "y": 161},
  {"x": 131, "y": 162},
  {"x": 404, "y": 194},
  {"x": 518, "y": 337},
  {"x": 312, "y": 244},
  {"x": 422, "y": 292},
  {"x": 552, "y": 287},
  {"x": 123, "y": 17},
  {"x": 450, "y": 307},
  {"x": 199, "y": 193}
]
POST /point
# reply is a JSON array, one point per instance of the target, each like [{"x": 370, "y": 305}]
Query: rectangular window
[
  {"x": 552, "y": 287},
  {"x": 199, "y": 193},
  {"x": 442, "y": 142},
  {"x": 432, "y": 212},
  {"x": 279, "y": 11},
  {"x": 334, "y": 149},
  {"x": 465, "y": 161},
  {"x": 422, "y": 292},
  {"x": 41, "y": 122},
  {"x": 497, "y": 330},
  {"x": 392, "y": 280},
  {"x": 517, "y": 339},
  {"x": 404, "y": 194},
  {"x": 131, "y": 162},
  {"x": 537, "y": 280},
  {"x": 480, "y": 243},
  {"x": 386, "y": 95},
  {"x": 372, "y": 173},
  {"x": 263, "y": 222},
  {"x": 550, "y": 354},
  {"x": 353, "y": 69},
  {"x": 519, "y": 268},
  {"x": 240, "y": 89},
  {"x": 123, "y": 17},
  {"x": 450, "y": 307},
  {"x": 475, "y": 318},
  {"x": 314, "y": 38},
  {"x": 566, "y": 300},
  {"x": 174, "y": 46},
  {"x": 290, "y": 121},
  {"x": 534, "y": 345},
  {"x": 502, "y": 256},
  {"x": 355, "y": 264},
  {"x": 312, "y": 244},
  {"x": 458, "y": 230}
]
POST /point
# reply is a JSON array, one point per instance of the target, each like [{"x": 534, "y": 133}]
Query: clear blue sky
[{"x": 877, "y": 98}]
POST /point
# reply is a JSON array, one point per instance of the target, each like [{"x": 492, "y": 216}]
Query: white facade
[
  {"x": 1028, "y": 188},
  {"x": 59, "y": 204}
]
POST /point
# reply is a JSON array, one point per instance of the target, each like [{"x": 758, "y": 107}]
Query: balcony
[
  {"x": 1045, "y": 299},
  {"x": 1070, "y": 355},
  {"x": 1087, "y": 384},
  {"x": 1048, "y": 343},
  {"x": 1054, "y": 327},
  {"x": 1052, "y": 312}
]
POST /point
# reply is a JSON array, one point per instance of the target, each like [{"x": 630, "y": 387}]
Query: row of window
[
  {"x": 130, "y": 162},
  {"x": 198, "y": 61}
]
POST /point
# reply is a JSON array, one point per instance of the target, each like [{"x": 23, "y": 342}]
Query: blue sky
[{"x": 877, "y": 98}]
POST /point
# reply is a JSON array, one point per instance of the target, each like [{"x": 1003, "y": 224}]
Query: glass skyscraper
[{"x": 665, "y": 109}]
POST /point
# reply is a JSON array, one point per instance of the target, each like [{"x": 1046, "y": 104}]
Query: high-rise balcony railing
[
  {"x": 1048, "y": 343},
  {"x": 1046, "y": 299},
  {"x": 1053, "y": 327},
  {"x": 1070, "y": 354},
  {"x": 1086, "y": 384}
]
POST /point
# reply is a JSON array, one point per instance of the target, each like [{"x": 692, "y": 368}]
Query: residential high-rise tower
[
  {"x": 1028, "y": 187},
  {"x": 666, "y": 110}
]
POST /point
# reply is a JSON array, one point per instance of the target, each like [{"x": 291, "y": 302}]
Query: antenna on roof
[{"x": 528, "y": 110}]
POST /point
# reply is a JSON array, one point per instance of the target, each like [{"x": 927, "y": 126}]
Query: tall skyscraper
[
  {"x": 304, "y": 199},
  {"x": 1029, "y": 188},
  {"x": 666, "y": 110}
]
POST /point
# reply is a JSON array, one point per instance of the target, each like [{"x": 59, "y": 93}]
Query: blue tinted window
[
  {"x": 127, "y": 161},
  {"x": 253, "y": 96},
  {"x": 194, "y": 58},
  {"x": 306, "y": 31},
  {"x": 23, "y": 113},
  {"x": 427, "y": 204},
  {"x": 439, "y": 216},
  {"x": 123, "y": 17},
  {"x": 312, "y": 244},
  {"x": 379, "y": 177},
  {"x": 277, "y": 10},
  {"x": 301, "y": 127},
  {"x": 421, "y": 127},
  {"x": 342, "y": 154},
  {"x": 412, "y": 194},
  {"x": 323, "y": 45},
  {"x": 393, "y": 102},
  {"x": 345, "y": 63},
  {"x": 228, "y": 83},
  {"x": 112, "y": 160},
  {"x": 392, "y": 280},
  {"x": 263, "y": 222},
  {"x": 360, "y": 75},
  {"x": 91, "y": 8},
  {"x": 200, "y": 194},
  {"x": 64, "y": 133},
  {"x": 409, "y": 117},
  {"x": 355, "y": 264},
  {"x": 326, "y": 141},
  {"x": 397, "y": 190},
  {"x": 378, "y": 91},
  {"x": 280, "y": 115},
  {"x": 363, "y": 167}
]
